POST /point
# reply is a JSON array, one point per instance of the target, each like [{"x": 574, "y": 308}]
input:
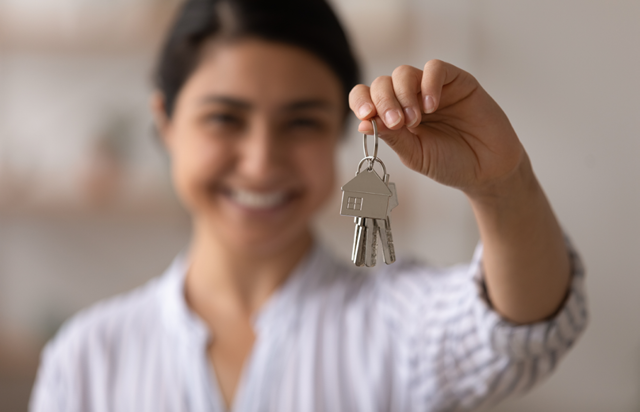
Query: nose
[{"x": 262, "y": 157}]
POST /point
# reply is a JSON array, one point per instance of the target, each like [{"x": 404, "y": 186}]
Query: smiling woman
[
  {"x": 252, "y": 140},
  {"x": 256, "y": 315}
]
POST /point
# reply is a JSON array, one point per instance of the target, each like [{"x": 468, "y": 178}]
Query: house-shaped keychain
[{"x": 366, "y": 195}]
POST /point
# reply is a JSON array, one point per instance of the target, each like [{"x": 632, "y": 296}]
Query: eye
[
  {"x": 306, "y": 123},
  {"x": 226, "y": 119},
  {"x": 223, "y": 123}
]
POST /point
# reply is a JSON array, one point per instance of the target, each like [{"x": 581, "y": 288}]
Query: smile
[{"x": 257, "y": 200}]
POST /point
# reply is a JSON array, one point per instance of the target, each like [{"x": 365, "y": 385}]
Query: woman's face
[{"x": 252, "y": 141}]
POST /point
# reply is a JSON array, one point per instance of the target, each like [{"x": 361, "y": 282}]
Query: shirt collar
[
  {"x": 282, "y": 310},
  {"x": 279, "y": 313},
  {"x": 177, "y": 315}
]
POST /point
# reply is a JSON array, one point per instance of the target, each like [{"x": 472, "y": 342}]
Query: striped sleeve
[
  {"x": 555, "y": 335},
  {"x": 461, "y": 354},
  {"x": 531, "y": 352}
]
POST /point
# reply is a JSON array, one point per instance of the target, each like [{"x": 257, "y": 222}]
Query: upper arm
[{"x": 51, "y": 388}]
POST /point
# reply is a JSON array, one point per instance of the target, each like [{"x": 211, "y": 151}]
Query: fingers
[
  {"x": 395, "y": 98},
  {"x": 406, "y": 85},
  {"x": 400, "y": 99},
  {"x": 378, "y": 100},
  {"x": 436, "y": 75}
]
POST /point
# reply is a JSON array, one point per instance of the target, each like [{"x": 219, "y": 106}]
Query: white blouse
[{"x": 332, "y": 338}]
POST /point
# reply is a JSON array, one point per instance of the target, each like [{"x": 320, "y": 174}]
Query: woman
[{"x": 250, "y": 103}]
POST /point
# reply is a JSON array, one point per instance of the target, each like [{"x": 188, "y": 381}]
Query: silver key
[
  {"x": 358, "y": 255},
  {"x": 366, "y": 197},
  {"x": 354, "y": 250},
  {"x": 371, "y": 243},
  {"x": 386, "y": 237},
  {"x": 370, "y": 199}
]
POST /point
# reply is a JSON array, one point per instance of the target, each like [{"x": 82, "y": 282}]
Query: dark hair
[{"x": 308, "y": 24}]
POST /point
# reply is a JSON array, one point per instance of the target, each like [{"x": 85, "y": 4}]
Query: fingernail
[
  {"x": 364, "y": 110},
  {"x": 429, "y": 104},
  {"x": 410, "y": 116},
  {"x": 392, "y": 117}
]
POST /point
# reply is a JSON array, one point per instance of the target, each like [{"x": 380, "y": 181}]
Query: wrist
[{"x": 508, "y": 191}]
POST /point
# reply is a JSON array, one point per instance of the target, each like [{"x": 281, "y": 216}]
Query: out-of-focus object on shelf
[{"x": 83, "y": 25}]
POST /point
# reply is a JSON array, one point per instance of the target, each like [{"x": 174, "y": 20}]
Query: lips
[{"x": 258, "y": 200}]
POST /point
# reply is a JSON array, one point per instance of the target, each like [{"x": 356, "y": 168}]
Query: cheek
[
  {"x": 317, "y": 164},
  {"x": 196, "y": 162}
]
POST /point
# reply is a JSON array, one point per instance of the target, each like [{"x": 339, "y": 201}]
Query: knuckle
[
  {"x": 384, "y": 100},
  {"x": 403, "y": 70},
  {"x": 357, "y": 91},
  {"x": 379, "y": 81},
  {"x": 405, "y": 97},
  {"x": 358, "y": 88},
  {"x": 434, "y": 64},
  {"x": 358, "y": 95}
]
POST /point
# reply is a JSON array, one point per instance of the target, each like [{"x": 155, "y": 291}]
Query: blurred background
[{"x": 86, "y": 208}]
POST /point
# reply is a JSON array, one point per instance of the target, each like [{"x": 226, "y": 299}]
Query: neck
[{"x": 240, "y": 280}]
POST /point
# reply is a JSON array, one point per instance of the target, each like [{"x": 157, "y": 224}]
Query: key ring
[
  {"x": 372, "y": 161},
  {"x": 375, "y": 144}
]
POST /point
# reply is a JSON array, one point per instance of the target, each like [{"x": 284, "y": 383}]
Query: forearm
[{"x": 525, "y": 260}]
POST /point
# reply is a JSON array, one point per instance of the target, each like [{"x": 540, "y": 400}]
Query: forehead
[{"x": 263, "y": 73}]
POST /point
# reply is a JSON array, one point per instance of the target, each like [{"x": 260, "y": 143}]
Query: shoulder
[
  {"x": 113, "y": 322},
  {"x": 89, "y": 352}
]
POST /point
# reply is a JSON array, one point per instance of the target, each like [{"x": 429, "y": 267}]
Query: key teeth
[
  {"x": 369, "y": 251},
  {"x": 374, "y": 249},
  {"x": 392, "y": 249}
]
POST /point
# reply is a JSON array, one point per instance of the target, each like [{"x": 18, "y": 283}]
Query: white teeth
[{"x": 255, "y": 200}]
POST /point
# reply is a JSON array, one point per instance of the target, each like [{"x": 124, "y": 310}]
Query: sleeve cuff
[{"x": 556, "y": 334}]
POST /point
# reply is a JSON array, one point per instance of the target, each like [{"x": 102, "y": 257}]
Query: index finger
[{"x": 361, "y": 103}]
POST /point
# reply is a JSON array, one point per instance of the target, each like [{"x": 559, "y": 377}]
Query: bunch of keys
[{"x": 370, "y": 200}]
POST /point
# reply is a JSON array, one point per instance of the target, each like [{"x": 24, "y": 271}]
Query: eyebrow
[
  {"x": 228, "y": 101},
  {"x": 309, "y": 104},
  {"x": 290, "y": 107}
]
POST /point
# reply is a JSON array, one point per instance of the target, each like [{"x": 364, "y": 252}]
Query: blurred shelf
[
  {"x": 18, "y": 202},
  {"x": 108, "y": 27},
  {"x": 165, "y": 210}
]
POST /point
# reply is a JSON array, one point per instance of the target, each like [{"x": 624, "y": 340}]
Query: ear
[{"x": 161, "y": 120}]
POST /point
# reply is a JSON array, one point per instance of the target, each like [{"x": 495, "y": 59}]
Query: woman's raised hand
[{"x": 441, "y": 123}]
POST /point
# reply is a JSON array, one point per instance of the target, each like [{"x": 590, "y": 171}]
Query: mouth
[{"x": 259, "y": 201}]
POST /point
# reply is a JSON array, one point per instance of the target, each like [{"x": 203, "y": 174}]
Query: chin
[{"x": 260, "y": 243}]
